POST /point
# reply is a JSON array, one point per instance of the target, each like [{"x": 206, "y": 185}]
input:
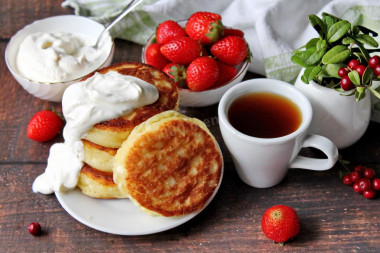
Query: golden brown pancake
[
  {"x": 113, "y": 132},
  {"x": 102, "y": 141},
  {"x": 170, "y": 165}
]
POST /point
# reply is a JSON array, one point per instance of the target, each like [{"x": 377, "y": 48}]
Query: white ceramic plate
[{"x": 119, "y": 216}]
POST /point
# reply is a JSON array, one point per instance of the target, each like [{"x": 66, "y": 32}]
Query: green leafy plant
[{"x": 326, "y": 57}]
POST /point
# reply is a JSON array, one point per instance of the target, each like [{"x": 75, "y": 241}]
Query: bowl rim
[{"x": 15, "y": 72}]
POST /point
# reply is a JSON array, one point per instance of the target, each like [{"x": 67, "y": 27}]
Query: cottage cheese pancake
[
  {"x": 113, "y": 132},
  {"x": 170, "y": 165},
  {"x": 102, "y": 141}
]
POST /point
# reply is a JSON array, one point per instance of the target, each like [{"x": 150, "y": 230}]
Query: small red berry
[
  {"x": 376, "y": 70},
  {"x": 347, "y": 180},
  {"x": 365, "y": 184},
  {"x": 369, "y": 194},
  {"x": 360, "y": 69},
  {"x": 376, "y": 184},
  {"x": 355, "y": 176},
  {"x": 360, "y": 169},
  {"x": 374, "y": 61},
  {"x": 34, "y": 228},
  {"x": 369, "y": 173},
  {"x": 353, "y": 64},
  {"x": 342, "y": 72},
  {"x": 346, "y": 83},
  {"x": 356, "y": 188}
]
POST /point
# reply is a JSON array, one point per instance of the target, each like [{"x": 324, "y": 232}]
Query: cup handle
[{"x": 321, "y": 143}]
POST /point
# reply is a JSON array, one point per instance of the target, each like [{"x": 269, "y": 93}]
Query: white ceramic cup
[{"x": 264, "y": 162}]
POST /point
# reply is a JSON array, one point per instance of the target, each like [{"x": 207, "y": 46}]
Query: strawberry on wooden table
[
  {"x": 280, "y": 223},
  {"x": 182, "y": 50},
  {"x": 169, "y": 30},
  {"x": 154, "y": 57},
  {"x": 205, "y": 27},
  {"x": 202, "y": 73},
  {"x": 231, "y": 50},
  {"x": 44, "y": 126}
]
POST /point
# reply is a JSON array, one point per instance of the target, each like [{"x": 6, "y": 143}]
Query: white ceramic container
[
  {"x": 65, "y": 23},
  {"x": 337, "y": 117}
]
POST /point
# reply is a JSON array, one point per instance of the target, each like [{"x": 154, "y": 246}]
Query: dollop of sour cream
[
  {"x": 99, "y": 98},
  {"x": 60, "y": 56}
]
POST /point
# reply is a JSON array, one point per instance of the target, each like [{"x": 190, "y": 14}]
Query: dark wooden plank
[{"x": 14, "y": 15}]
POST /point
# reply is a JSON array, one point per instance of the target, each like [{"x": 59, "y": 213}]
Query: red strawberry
[
  {"x": 226, "y": 73},
  {"x": 231, "y": 31},
  {"x": 177, "y": 72},
  {"x": 182, "y": 50},
  {"x": 169, "y": 30},
  {"x": 206, "y": 27},
  {"x": 202, "y": 73},
  {"x": 231, "y": 50},
  {"x": 44, "y": 126},
  {"x": 154, "y": 57},
  {"x": 280, "y": 223}
]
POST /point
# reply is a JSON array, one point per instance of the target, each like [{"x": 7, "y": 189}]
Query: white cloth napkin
[{"x": 273, "y": 28}]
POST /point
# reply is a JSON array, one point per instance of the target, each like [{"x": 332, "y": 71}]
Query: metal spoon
[{"x": 126, "y": 10}]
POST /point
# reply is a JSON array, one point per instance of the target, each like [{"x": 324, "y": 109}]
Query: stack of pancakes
[
  {"x": 165, "y": 162},
  {"x": 102, "y": 141}
]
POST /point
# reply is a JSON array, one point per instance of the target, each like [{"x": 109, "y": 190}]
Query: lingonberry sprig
[
  {"x": 338, "y": 58},
  {"x": 363, "y": 180}
]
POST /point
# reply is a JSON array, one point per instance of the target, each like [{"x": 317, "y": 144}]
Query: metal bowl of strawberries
[{"x": 201, "y": 55}]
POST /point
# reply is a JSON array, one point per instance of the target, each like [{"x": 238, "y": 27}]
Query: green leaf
[
  {"x": 338, "y": 30},
  {"x": 298, "y": 60},
  {"x": 314, "y": 71},
  {"x": 312, "y": 42},
  {"x": 321, "y": 44},
  {"x": 374, "y": 92},
  {"x": 332, "y": 69},
  {"x": 304, "y": 79},
  {"x": 311, "y": 56},
  {"x": 365, "y": 30},
  {"x": 337, "y": 54},
  {"x": 366, "y": 78},
  {"x": 318, "y": 25},
  {"x": 366, "y": 39},
  {"x": 348, "y": 40},
  {"x": 325, "y": 15},
  {"x": 363, "y": 50},
  {"x": 329, "y": 21},
  {"x": 360, "y": 93},
  {"x": 354, "y": 77},
  {"x": 360, "y": 57},
  {"x": 355, "y": 30}
]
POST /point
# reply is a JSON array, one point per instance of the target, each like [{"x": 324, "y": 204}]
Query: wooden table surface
[{"x": 333, "y": 217}]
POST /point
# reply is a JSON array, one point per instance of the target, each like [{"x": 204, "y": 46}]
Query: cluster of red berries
[
  {"x": 363, "y": 181},
  {"x": 345, "y": 82}
]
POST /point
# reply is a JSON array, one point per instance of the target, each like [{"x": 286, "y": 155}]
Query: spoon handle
[{"x": 124, "y": 12}]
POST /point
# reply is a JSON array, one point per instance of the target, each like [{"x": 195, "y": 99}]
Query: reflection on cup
[{"x": 265, "y": 141}]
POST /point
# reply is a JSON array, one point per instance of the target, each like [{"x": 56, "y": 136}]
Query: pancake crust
[
  {"x": 170, "y": 165},
  {"x": 113, "y": 132},
  {"x": 98, "y": 184}
]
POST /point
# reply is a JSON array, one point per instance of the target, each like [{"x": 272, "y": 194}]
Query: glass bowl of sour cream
[{"x": 48, "y": 55}]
